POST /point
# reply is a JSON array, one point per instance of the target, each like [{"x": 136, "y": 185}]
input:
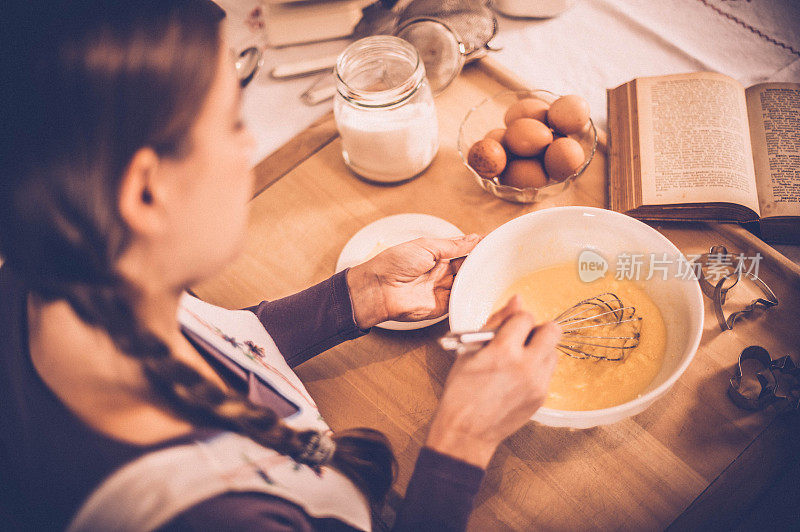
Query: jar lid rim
[{"x": 382, "y": 98}]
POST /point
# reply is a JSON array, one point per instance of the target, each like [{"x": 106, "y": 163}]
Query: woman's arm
[
  {"x": 250, "y": 511},
  {"x": 488, "y": 395},
  {"x": 409, "y": 282},
  {"x": 440, "y": 494},
  {"x": 312, "y": 321},
  {"x": 439, "y": 497}
]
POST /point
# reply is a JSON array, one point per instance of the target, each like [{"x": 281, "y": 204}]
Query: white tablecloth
[{"x": 597, "y": 44}]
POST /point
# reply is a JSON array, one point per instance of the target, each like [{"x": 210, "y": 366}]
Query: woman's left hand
[{"x": 407, "y": 282}]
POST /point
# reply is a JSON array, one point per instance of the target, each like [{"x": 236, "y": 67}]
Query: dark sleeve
[
  {"x": 440, "y": 494},
  {"x": 309, "y": 322},
  {"x": 250, "y": 511},
  {"x": 439, "y": 497}
]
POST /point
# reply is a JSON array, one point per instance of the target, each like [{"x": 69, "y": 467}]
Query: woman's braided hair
[{"x": 89, "y": 93}]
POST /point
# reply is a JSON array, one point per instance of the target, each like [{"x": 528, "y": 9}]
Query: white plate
[{"x": 388, "y": 232}]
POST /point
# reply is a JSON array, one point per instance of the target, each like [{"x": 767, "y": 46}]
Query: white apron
[{"x": 149, "y": 492}]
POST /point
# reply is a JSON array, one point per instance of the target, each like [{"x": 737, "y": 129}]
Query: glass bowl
[{"x": 488, "y": 115}]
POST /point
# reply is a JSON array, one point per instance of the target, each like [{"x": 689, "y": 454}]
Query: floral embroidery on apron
[
  {"x": 252, "y": 351},
  {"x": 241, "y": 338},
  {"x": 150, "y": 491}
]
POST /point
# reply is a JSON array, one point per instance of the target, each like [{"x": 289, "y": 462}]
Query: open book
[{"x": 702, "y": 147}]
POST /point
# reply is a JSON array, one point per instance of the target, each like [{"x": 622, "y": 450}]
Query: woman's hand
[
  {"x": 490, "y": 394},
  {"x": 407, "y": 282}
]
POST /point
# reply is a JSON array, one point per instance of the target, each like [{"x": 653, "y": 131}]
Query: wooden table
[{"x": 690, "y": 458}]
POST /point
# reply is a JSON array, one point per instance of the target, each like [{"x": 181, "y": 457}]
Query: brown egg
[
  {"x": 487, "y": 157},
  {"x": 523, "y": 173},
  {"x": 527, "y": 108},
  {"x": 569, "y": 114},
  {"x": 527, "y": 137},
  {"x": 496, "y": 134},
  {"x": 562, "y": 158}
]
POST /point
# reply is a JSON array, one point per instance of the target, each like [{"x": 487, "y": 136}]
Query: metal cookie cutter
[
  {"x": 734, "y": 271},
  {"x": 776, "y": 382}
]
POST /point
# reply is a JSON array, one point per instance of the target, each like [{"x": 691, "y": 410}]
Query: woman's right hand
[{"x": 492, "y": 393}]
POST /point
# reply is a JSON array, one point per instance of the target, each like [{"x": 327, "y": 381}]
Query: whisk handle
[
  {"x": 466, "y": 342},
  {"x": 470, "y": 342}
]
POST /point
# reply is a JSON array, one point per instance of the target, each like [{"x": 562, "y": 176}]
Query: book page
[
  {"x": 774, "y": 112},
  {"x": 695, "y": 141}
]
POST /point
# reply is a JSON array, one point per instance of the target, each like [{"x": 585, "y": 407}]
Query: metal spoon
[{"x": 247, "y": 64}]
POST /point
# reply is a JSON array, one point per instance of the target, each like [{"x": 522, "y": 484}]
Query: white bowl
[{"x": 555, "y": 236}]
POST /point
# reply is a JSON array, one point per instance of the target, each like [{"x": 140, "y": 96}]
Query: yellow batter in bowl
[{"x": 590, "y": 384}]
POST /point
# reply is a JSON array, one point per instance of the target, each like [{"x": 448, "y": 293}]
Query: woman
[{"x": 126, "y": 403}]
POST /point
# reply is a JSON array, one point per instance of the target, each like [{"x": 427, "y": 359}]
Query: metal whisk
[{"x": 600, "y": 327}]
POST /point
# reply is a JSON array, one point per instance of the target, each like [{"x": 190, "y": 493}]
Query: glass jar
[{"x": 384, "y": 110}]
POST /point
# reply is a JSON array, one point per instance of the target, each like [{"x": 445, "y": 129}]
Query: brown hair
[{"x": 93, "y": 83}]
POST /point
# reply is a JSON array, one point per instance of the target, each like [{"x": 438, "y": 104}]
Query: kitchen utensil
[
  {"x": 600, "y": 327},
  {"x": 304, "y": 68},
  {"x": 247, "y": 64},
  {"x": 471, "y": 21},
  {"x": 446, "y": 33},
  {"x": 731, "y": 270},
  {"x": 550, "y": 237},
  {"x": 761, "y": 381}
]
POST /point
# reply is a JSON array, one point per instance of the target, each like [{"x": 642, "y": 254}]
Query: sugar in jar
[{"x": 384, "y": 110}]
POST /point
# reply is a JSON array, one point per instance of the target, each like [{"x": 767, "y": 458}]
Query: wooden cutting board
[{"x": 690, "y": 459}]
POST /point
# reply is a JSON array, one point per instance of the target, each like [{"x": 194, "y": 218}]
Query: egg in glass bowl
[
  {"x": 556, "y": 257},
  {"x": 526, "y": 146}
]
